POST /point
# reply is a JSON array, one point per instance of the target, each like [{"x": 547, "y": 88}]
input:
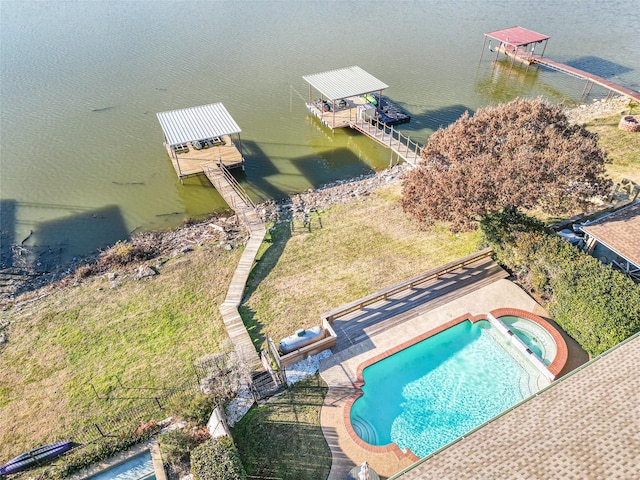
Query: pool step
[{"x": 364, "y": 429}]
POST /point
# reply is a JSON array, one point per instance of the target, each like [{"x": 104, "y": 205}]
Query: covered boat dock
[
  {"x": 350, "y": 94},
  {"x": 201, "y": 137},
  {"x": 519, "y": 44},
  {"x": 199, "y": 140},
  {"x": 351, "y": 97},
  {"x": 516, "y": 42}
]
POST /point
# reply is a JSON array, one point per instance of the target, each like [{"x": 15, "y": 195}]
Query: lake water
[{"x": 82, "y": 161}]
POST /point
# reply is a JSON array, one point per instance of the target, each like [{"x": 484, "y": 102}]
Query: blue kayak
[{"x": 35, "y": 456}]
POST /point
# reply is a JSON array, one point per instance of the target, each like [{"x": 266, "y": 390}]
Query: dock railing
[
  {"x": 248, "y": 204},
  {"x": 389, "y": 137},
  {"x": 406, "y": 285}
]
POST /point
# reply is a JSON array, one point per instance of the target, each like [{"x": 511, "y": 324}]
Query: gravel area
[
  {"x": 305, "y": 368},
  {"x": 239, "y": 406}
]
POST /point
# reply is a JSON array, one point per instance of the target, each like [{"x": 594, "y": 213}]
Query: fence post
[
  {"x": 195, "y": 370},
  {"x": 99, "y": 431}
]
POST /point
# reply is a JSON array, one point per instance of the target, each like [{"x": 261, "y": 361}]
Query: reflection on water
[{"x": 82, "y": 81}]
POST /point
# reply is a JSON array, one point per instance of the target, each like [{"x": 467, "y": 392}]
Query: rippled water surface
[
  {"x": 82, "y": 161},
  {"x": 436, "y": 390}
]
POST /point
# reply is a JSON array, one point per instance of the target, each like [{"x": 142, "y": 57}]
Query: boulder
[{"x": 145, "y": 271}]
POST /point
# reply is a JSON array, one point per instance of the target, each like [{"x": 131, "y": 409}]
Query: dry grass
[
  {"x": 623, "y": 148},
  {"x": 147, "y": 332},
  {"x": 361, "y": 248}
]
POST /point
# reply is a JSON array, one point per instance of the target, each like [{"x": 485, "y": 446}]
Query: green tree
[
  {"x": 595, "y": 304},
  {"x": 598, "y": 306}
]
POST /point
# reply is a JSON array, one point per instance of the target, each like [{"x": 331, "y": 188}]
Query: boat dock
[
  {"x": 201, "y": 137},
  {"x": 351, "y": 97},
  {"x": 199, "y": 140},
  {"x": 589, "y": 77},
  {"x": 189, "y": 160},
  {"x": 519, "y": 44}
]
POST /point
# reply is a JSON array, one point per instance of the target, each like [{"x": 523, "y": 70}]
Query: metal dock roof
[
  {"x": 344, "y": 82},
  {"x": 517, "y": 36},
  {"x": 197, "y": 123}
]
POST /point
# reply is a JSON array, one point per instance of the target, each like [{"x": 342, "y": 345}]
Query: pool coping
[
  {"x": 555, "y": 367},
  {"x": 339, "y": 371}
]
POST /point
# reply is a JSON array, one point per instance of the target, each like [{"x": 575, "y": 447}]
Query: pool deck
[{"x": 340, "y": 371}]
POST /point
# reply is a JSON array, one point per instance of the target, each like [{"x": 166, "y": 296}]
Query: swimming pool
[
  {"x": 440, "y": 388},
  {"x": 139, "y": 467}
]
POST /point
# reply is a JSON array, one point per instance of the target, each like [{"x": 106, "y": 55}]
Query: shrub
[
  {"x": 596, "y": 305},
  {"x": 176, "y": 445},
  {"x": 197, "y": 409},
  {"x": 144, "y": 247},
  {"x": 217, "y": 459}
]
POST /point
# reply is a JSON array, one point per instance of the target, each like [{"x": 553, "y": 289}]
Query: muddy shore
[{"x": 24, "y": 280}]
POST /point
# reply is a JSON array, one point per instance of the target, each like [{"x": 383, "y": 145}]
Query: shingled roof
[
  {"x": 586, "y": 425},
  {"x": 619, "y": 232}
]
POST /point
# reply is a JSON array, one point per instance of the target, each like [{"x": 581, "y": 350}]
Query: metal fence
[{"x": 128, "y": 421}]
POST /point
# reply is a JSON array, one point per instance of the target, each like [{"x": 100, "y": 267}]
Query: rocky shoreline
[
  {"x": 598, "y": 108},
  {"x": 336, "y": 193},
  {"x": 145, "y": 250},
  {"x": 227, "y": 231}
]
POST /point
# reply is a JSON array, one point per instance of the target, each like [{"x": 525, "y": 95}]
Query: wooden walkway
[
  {"x": 532, "y": 58},
  {"x": 240, "y": 202},
  {"x": 389, "y": 137},
  {"x": 402, "y": 304},
  {"x": 603, "y": 82}
]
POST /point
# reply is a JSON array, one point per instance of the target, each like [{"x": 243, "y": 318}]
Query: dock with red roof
[{"x": 520, "y": 43}]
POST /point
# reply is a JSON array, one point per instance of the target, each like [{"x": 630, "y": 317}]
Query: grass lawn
[
  {"x": 147, "y": 332},
  {"x": 623, "y": 147},
  {"x": 283, "y": 439},
  {"x": 359, "y": 249}
]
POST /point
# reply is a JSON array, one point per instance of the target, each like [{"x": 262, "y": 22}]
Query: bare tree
[{"x": 522, "y": 154}]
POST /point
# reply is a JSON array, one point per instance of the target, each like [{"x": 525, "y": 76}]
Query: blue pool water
[
  {"x": 139, "y": 467},
  {"x": 435, "y": 391}
]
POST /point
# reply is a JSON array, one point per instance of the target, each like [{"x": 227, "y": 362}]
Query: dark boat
[{"x": 35, "y": 456}]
